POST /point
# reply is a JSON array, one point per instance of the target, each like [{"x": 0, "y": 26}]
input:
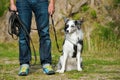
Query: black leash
[
  {"x": 14, "y": 26},
  {"x": 55, "y": 35}
]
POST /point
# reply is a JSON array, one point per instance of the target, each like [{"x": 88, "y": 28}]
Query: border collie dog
[{"x": 72, "y": 48}]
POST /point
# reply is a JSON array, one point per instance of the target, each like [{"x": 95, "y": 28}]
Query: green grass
[
  {"x": 93, "y": 14},
  {"x": 3, "y": 6},
  {"x": 8, "y": 50},
  {"x": 102, "y": 61},
  {"x": 97, "y": 64},
  {"x": 84, "y": 8}
]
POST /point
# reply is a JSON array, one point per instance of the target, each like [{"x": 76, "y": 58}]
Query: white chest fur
[{"x": 70, "y": 41}]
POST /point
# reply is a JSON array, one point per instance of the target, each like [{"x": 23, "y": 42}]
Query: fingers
[
  {"x": 13, "y": 8},
  {"x": 51, "y": 12},
  {"x": 51, "y": 9}
]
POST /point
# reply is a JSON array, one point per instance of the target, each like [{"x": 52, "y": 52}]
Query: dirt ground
[{"x": 9, "y": 70}]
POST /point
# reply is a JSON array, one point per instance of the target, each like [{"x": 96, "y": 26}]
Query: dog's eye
[{"x": 72, "y": 26}]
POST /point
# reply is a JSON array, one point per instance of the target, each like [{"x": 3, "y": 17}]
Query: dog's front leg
[
  {"x": 64, "y": 63},
  {"x": 79, "y": 62}
]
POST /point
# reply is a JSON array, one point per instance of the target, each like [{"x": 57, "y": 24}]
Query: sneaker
[
  {"x": 47, "y": 69},
  {"x": 24, "y": 70}
]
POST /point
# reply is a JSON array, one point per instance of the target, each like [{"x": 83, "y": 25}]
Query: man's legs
[
  {"x": 25, "y": 14},
  {"x": 42, "y": 19}
]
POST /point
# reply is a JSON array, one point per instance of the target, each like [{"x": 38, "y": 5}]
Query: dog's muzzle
[{"x": 67, "y": 31}]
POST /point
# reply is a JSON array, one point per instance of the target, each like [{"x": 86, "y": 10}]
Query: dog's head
[{"x": 72, "y": 25}]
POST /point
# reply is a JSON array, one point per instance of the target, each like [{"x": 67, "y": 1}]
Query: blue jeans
[{"x": 40, "y": 9}]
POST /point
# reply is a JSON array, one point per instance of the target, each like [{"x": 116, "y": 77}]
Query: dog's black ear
[
  {"x": 79, "y": 22},
  {"x": 66, "y": 19}
]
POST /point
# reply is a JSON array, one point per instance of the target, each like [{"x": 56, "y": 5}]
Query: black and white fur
[{"x": 71, "y": 58}]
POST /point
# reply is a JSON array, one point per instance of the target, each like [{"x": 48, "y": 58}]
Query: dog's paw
[
  {"x": 79, "y": 69},
  {"x": 57, "y": 71},
  {"x": 60, "y": 71}
]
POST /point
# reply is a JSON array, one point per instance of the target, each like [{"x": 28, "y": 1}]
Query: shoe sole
[
  {"x": 23, "y": 74},
  {"x": 50, "y": 73}
]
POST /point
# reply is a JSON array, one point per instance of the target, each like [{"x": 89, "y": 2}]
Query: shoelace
[
  {"x": 49, "y": 68},
  {"x": 23, "y": 69}
]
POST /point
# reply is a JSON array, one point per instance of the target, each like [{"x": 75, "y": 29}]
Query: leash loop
[{"x": 14, "y": 26}]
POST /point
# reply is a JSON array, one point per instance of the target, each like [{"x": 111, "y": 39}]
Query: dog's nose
[{"x": 67, "y": 31}]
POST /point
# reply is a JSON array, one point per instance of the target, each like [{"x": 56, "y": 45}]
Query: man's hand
[
  {"x": 51, "y": 7},
  {"x": 12, "y": 6}
]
